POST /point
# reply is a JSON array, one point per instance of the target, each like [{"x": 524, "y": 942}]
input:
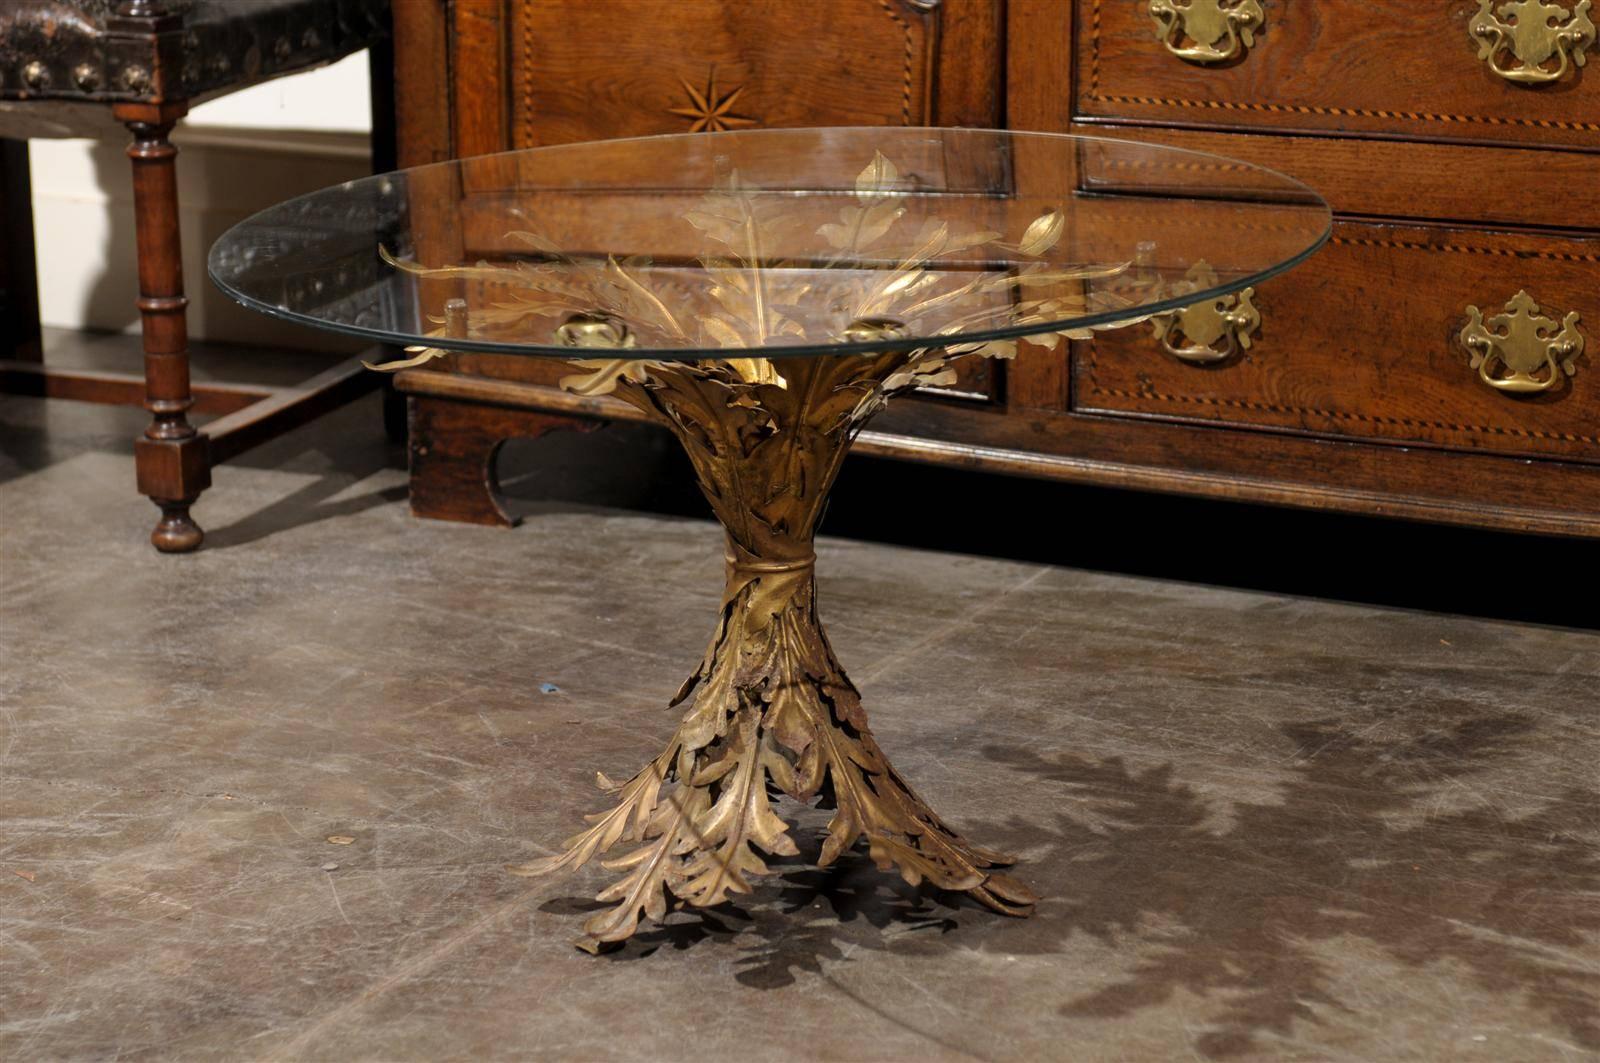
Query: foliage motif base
[{"x": 770, "y": 710}]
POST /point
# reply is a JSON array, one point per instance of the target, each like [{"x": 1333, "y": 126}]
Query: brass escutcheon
[
  {"x": 1217, "y": 30},
  {"x": 1215, "y": 329},
  {"x": 1520, "y": 350},
  {"x": 1532, "y": 32}
]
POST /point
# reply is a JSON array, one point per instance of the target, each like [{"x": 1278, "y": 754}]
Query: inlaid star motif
[{"x": 709, "y": 112}]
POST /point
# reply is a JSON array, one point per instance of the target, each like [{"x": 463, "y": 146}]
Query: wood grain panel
[
  {"x": 1038, "y": 42},
  {"x": 421, "y": 80},
  {"x": 618, "y": 69},
  {"x": 1402, "y": 179},
  {"x": 479, "y": 109}
]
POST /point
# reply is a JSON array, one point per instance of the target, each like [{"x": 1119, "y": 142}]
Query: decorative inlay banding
[
  {"x": 905, "y": 84},
  {"x": 1339, "y": 415},
  {"x": 527, "y": 69},
  {"x": 1552, "y": 256}
]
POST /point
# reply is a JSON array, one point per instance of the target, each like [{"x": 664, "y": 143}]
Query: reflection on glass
[{"x": 745, "y": 242}]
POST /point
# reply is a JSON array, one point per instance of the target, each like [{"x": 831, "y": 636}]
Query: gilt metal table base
[
  {"x": 763, "y": 322},
  {"x": 769, "y": 706}
]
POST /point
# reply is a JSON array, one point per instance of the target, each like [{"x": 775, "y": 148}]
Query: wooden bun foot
[{"x": 176, "y": 532}]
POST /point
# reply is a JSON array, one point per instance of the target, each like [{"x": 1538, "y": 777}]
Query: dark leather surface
[{"x": 91, "y": 50}]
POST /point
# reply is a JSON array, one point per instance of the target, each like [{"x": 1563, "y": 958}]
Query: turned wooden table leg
[{"x": 171, "y": 458}]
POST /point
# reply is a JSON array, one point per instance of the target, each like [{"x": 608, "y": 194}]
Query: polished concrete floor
[{"x": 255, "y": 802}]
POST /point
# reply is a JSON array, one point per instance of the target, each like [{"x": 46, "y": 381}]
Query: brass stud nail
[
  {"x": 34, "y": 75},
  {"x": 87, "y": 77}
]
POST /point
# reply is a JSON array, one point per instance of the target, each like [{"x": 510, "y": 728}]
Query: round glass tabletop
[{"x": 768, "y": 243}]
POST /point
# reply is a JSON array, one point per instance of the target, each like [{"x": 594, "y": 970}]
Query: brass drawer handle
[
  {"x": 1215, "y": 329},
  {"x": 1537, "y": 32},
  {"x": 1217, "y": 30},
  {"x": 1520, "y": 350}
]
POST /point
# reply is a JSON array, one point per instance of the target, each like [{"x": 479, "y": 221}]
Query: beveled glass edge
[{"x": 1131, "y": 315}]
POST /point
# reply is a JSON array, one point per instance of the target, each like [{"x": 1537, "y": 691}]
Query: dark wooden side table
[{"x": 72, "y": 67}]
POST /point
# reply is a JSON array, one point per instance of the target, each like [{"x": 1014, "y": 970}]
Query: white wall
[
  {"x": 237, "y": 155},
  {"x": 332, "y": 99}
]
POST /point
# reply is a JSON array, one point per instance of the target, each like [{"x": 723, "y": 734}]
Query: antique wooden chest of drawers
[{"x": 1437, "y": 360}]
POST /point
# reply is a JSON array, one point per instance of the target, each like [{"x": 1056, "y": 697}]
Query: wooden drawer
[
  {"x": 1567, "y": 183},
  {"x": 590, "y": 71},
  {"x": 1363, "y": 341},
  {"x": 1399, "y": 67}
]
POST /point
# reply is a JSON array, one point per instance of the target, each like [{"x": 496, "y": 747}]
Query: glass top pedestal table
[{"x": 761, "y": 294}]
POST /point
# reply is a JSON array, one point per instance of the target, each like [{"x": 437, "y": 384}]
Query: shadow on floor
[
  {"x": 1379, "y": 842},
  {"x": 309, "y": 505},
  {"x": 1248, "y": 915},
  {"x": 344, "y": 450}
]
